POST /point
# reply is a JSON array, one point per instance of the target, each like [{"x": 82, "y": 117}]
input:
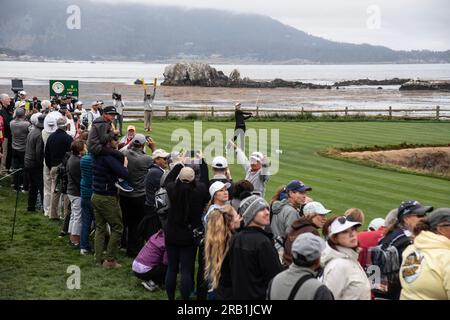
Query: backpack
[
  {"x": 162, "y": 203},
  {"x": 386, "y": 259},
  {"x": 62, "y": 180},
  {"x": 85, "y": 120}
]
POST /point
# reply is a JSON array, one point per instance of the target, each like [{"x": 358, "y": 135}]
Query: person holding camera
[
  {"x": 188, "y": 198},
  {"x": 120, "y": 105}
]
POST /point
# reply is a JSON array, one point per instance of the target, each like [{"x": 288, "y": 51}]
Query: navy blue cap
[
  {"x": 412, "y": 207},
  {"x": 297, "y": 185}
]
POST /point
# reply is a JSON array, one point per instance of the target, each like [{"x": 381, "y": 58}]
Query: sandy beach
[{"x": 199, "y": 97}]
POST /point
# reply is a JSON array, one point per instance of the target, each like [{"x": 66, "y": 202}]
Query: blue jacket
[
  {"x": 86, "y": 176},
  {"x": 105, "y": 172}
]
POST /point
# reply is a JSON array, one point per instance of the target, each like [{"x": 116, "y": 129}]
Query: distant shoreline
[{"x": 209, "y": 61}]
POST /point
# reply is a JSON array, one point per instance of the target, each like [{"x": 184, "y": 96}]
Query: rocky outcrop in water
[
  {"x": 203, "y": 75},
  {"x": 426, "y": 85},
  {"x": 368, "y": 82}
]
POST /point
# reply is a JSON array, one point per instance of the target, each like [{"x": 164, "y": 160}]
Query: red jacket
[
  {"x": 2, "y": 129},
  {"x": 368, "y": 239}
]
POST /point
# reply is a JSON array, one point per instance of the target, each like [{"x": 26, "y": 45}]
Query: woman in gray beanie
[{"x": 253, "y": 258}]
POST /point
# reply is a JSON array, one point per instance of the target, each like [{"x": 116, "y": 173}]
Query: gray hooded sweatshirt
[{"x": 284, "y": 214}]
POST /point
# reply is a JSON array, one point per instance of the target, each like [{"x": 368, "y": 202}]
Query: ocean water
[
  {"x": 128, "y": 72},
  {"x": 354, "y": 97}
]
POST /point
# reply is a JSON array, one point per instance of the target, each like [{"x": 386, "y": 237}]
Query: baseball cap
[
  {"x": 237, "y": 104},
  {"x": 315, "y": 207},
  {"x": 341, "y": 224},
  {"x": 110, "y": 110},
  {"x": 159, "y": 153},
  {"x": 376, "y": 224},
  {"x": 139, "y": 139},
  {"x": 22, "y": 93},
  {"x": 219, "y": 162},
  {"x": 131, "y": 127},
  {"x": 216, "y": 186},
  {"x": 412, "y": 207},
  {"x": 439, "y": 216},
  {"x": 309, "y": 246},
  {"x": 19, "y": 104},
  {"x": 186, "y": 175},
  {"x": 256, "y": 157},
  {"x": 78, "y": 103},
  {"x": 297, "y": 185}
]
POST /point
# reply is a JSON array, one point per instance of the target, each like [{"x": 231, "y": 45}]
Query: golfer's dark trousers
[
  {"x": 132, "y": 214},
  {"x": 236, "y": 134},
  {"x": 36, "y": 185}
]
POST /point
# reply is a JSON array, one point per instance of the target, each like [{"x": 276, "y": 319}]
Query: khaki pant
[
  {"x": 148, "y": 119},
  {"x": 47, "y": 190},
  {"x": 107, "y": 211},
  {"x": 55, "y": 196}
]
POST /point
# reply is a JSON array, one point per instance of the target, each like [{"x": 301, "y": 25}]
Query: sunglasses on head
[{"x": 344, "y": 219}]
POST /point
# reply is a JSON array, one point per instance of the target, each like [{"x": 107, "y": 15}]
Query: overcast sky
[{"x": 402, "y": 24}]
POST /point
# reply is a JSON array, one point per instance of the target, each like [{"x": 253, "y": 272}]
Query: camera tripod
[{"x": 15, "y": 171}]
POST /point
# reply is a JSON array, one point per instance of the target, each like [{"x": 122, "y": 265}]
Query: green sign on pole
[{"x": 63, "y": 87}]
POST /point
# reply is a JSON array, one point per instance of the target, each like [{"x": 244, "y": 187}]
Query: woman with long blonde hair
[{"x": 222, "y": 223}]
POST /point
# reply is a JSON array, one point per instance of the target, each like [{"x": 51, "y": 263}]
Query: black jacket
[
  {"x": 34, "y": 150},
  {"x": 58, "y": 143},
  {"x": 253, "y": 263},
  {"x": 240, "y": 117},
  {"x": 179, "y": 232},
  {"x": 152, "y": 184}
]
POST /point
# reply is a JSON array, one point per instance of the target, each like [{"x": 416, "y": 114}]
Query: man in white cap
[
  {"x": 313, "y": 219},
  {"x": 253, "y": 258},
  {"x": 221, "y": 172},
  {"x": 256, "y": 170},
  {"x": 299, "y": 281},
  {"x": 153, "y": 178},
  {"x": 93, "y": 114},
  {"x": 56, "y": 147}
]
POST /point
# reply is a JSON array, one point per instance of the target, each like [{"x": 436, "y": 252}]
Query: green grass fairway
[{"x": 34, "y": 265}]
